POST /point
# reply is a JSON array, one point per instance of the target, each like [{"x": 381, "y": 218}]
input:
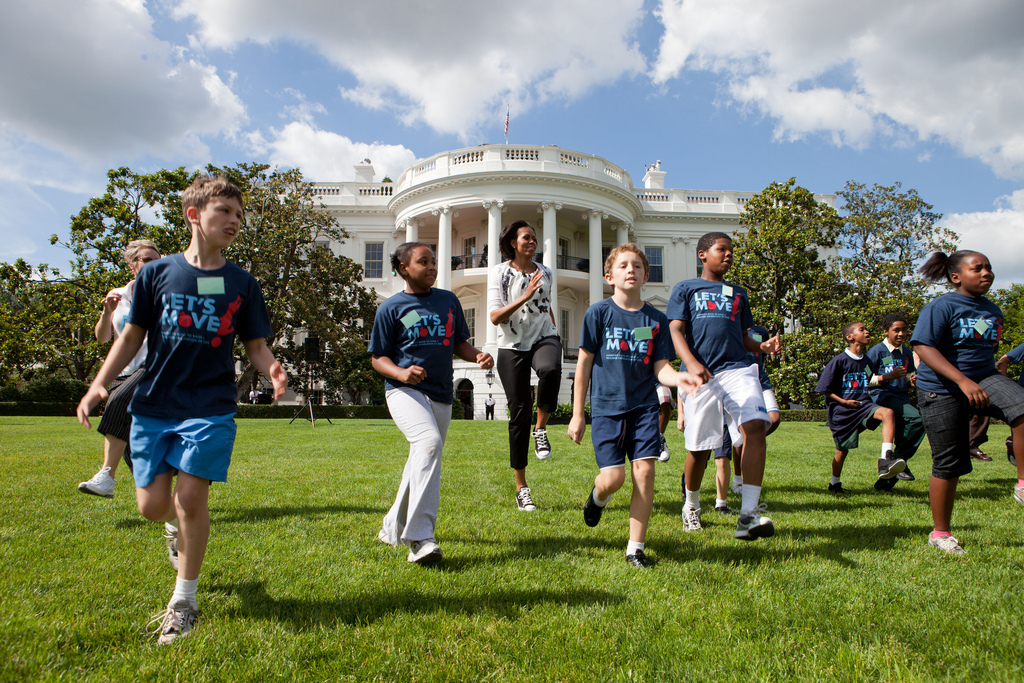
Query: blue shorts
[
  {"x": 635, "y": 434},
  {"x": 197, "y": 446}
]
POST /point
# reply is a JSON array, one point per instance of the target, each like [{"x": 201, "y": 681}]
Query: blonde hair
[
  {"x": 205, "y": 188},
  {"x": 131, "y": 251},
  {"x": 621, "y": 249}
]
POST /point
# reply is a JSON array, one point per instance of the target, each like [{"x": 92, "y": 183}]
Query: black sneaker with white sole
[
  {"x": 524, "y": 500},
  {"x": 889, "y": 467},
  {"x": 638, "y": 560},
  {"x": 906, "y": 475},
  {"x": 753, "y": 525},
  {"x": 541, "y": 445},
  {"x": 592, "y": 511}
]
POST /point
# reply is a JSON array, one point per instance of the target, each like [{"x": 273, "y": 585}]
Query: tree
[
  {"x": 886, "y": 235},
  {"x": 790, "y": 285}
]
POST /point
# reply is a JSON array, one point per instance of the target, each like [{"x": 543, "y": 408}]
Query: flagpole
[{"x": 506, "y": 121}]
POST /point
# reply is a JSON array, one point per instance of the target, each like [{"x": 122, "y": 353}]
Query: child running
[
  {"x": 956, "y": 336},
  {"x": 893, "y": 371},
  {"x": 771, "y": 404},
  {"x": 192, "y": 305},
  {"x": 624, "y": 350},
  {"x": 844, "y": 382},
  {"x": 709, "y": 321},
  {"x": 415, "y": 334}
]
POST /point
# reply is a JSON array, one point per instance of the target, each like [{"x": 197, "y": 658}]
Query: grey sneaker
[
  {"x": 947, "y": 543},
  {"x": 664, "y": 455},
  {"x": 424, "y": 552},
  {"x": 177, "y": 621},
  {"x": 541, "y": 445},
  {"x": 1018, "y": 494},
  {"x": 691, "y": 519},
  {"x": 524, "y": 500},
  {"x": 101, "y": 484},
  {"x": 753, "y": 525},
  {"x": 736, "y": 487},
  {"x": 171, "y": 534},
  {"x": 889, "y": 467}
]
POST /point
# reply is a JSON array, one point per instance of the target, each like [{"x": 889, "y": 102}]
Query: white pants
[{"x": 424, "y": 422}]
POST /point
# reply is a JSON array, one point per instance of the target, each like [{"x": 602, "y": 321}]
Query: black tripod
[{"x": 311, "y": 347}]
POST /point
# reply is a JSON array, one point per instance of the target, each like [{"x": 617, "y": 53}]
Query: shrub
[{"x": 54, "y": 390}]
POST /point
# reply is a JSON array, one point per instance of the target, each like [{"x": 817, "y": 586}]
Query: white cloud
[
  {"x": 447, "y": 64},
  {"x": 997, "y": 234},
  {"x": 91, "y": 80},
  {"x": 934, "y": 69}
]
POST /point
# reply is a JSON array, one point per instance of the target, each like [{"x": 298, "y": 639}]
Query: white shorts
[
  {"x": 733, "y": 397},
  {"x": 664, "y": 395},
  {"x": 771, "y": 404}
]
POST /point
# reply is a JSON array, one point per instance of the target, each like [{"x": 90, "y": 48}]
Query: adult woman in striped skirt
[{"x": 116, "y": 423}]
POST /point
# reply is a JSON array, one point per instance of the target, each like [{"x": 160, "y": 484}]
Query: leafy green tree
[
  {"x": 20, "y": 310},
  {"x": 886, "y": 234},
  {"x": 1011, "y": 301},
  {"x": 781, "y": 261}
]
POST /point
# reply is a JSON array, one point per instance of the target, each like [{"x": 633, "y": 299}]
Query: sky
[{"x": 727, "y": 94}]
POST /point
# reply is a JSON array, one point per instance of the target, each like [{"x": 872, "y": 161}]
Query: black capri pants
[
  {"x": 545, "y": 358},
  {"x": 116, "y": 421},
  {"x": 947, "y": 420}
]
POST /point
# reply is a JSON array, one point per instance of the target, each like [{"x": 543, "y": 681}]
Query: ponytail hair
[
  {"x": 939, "y": 266},
  {"x": 403, "y": 254}
]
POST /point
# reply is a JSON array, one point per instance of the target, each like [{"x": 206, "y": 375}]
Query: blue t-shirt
[
  {"x": 882, "y": 361},
  {"x": 966, "y": 331},
  {"x": 626, "y": 345},
  {"x": 1016, "y": 355},
  {"x": 846, "y": 377},
  {"x": 758, "y": 358},
  {"x": 423, "y": 330},
  {"x": 717, "y": 315},
  {"x": 192, "y": 317}
]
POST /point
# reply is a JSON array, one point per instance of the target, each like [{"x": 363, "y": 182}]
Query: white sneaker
[
  {"x": 424, "y": 552},
  {"x": 753, "y": 525},
  {"x": 691, "y": 519},
  {"x": 737, "y": 487},
  {"x": 101, "y": 484},
  {"x": 176, "y": 621},
  {"x": 948, "y": 544},
  {"x": 541, "y": 444},
  {"x": 664, "y": 455},
  {"x": 171, "y": 534}
]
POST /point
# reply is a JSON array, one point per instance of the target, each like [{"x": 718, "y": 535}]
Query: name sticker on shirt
[
  {"x": 210, "y": 285},
  {"x": 756, "y": 337},
  {"x": 887, "y": 360},
  {"x": 981, "y": 327},
  {"x": 642, "y": 333},
  {"x": 726, "y": 290},
  {"x": 410, "y": 319}
]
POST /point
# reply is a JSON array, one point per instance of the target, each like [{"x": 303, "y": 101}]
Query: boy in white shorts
[
  {"x": 771, "y": 404},
  {"x": 709, "y": 320}
]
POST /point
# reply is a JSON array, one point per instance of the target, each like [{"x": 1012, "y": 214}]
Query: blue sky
[{"x": 728, "y": 94}]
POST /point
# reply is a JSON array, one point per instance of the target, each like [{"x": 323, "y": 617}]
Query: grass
[{"x": 296, "y": 586}]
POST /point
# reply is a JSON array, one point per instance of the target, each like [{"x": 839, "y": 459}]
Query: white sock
[
  {"x": 633, "y": 546},
  {"x": 720, "y": 502},
  {"x": 185, "y": 590},
  {"x": 601, "y": 503},
  {"x": 692, "y": 499},
  {"x": 835, "y": 479},
  {"x": 886, "y": 447},
  {"x": 737, "y": 480},
  {"x": 751, "y": 494}
]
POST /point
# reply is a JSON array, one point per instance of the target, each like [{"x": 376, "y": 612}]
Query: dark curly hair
[{"x": 708, "y": 240}]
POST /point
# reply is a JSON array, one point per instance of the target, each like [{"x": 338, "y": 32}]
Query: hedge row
[{"x": 48, "y": 390}]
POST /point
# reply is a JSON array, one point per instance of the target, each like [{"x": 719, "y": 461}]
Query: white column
[
  {"x": 412, "y": 230},
  {"x": 550, "y": 211},
  {"x": 493, "y": 258},
  {"x": 621, "y": 233},
  {"x": 596, "y": 265},
  {"x": 444, "y": 247}
]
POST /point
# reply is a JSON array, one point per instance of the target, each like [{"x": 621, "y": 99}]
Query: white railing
[
  {"x": 467, "y": 158},
  {"x": 573, "y": 160},
  {"x": 648, "y": 196},
  {"x": 379, "y": 191},
  {"x": 518, "y": 154}
]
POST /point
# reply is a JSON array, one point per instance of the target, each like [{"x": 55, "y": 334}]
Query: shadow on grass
[
  {"x": 256, "y": 603},
  {"x": 259, "y": 514}
]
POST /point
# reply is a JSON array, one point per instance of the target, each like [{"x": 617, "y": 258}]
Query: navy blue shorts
[
  {"x": 947, "y": 419},
  {"x": 635, "y": 434}
]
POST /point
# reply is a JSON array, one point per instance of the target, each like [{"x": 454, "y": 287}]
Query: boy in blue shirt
[
  {"x": 844, "y": 382},
  {"x": 893, "y": 371},
  {"x": 624, "y": 347},
  {"x": 192, "y": 305},
  {"x": 709, "y": 321}
]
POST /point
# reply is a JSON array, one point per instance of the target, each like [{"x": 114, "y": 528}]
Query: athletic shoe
[
  {"x": 886, "y": 484},
  {"x": 541, "y": 445},
  {"x": 1018, "y": 494},
  {"x": 592, "y": 511},
  {"x": 947, "y": 543},
  {"x": 906, "y": 475},
  {"x": 753, "y": 525},
  {"x": 638, "y": 560},
  {"x": 691, "y": 519},
  {"x": 1009, "y": 451},
  {"x": 889, "y": 467},
  {"x": 724, "y": 510},
  {"x": 980, "y": 455},
  {"x": 383, "y": 537},
  {"x": 664, "y": 455},
  {"x": 424, "y": 552},
  {"x": 101, "y": 484},
  {"x": 736, "y": 488},
  {"x": 836, "y": 487},
  {"x": 524, "y": 500},
  {"x": 177, "y": 621},
  {"x": 171, "y": 534}
]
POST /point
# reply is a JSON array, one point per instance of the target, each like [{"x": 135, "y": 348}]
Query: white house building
[{"x": 581, "y": 205}]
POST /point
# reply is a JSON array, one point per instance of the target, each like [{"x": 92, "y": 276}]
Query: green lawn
[{"x": 296, "y": 585}]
